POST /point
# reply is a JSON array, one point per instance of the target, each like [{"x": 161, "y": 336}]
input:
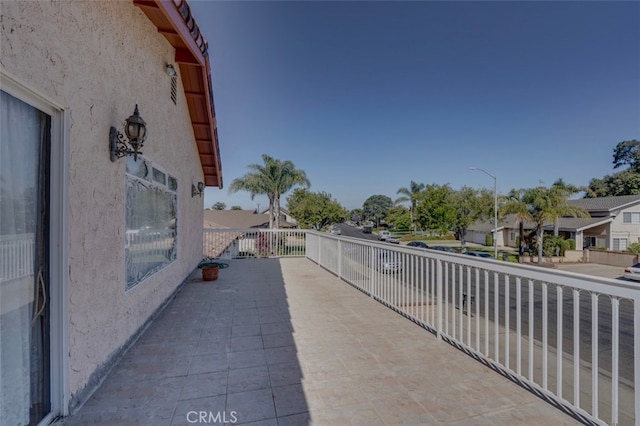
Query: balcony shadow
[{"x": 220, "y": 352}]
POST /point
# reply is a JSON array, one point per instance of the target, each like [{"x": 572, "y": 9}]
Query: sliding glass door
[{"x": 25, "y": 141}]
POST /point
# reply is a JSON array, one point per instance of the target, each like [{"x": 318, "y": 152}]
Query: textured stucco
[{"x": 98, "y": 59}]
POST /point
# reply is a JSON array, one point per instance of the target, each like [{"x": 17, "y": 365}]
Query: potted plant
[{"x": 210, "y": 268}]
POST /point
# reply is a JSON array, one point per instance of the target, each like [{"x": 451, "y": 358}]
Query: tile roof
[
  {"x": 605, "y": 203},
  {"x": 239, "y": 219}
]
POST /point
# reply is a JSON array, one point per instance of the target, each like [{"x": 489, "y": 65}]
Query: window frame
[
  {"x": 150, "y": 181},
  {"x": 631, "y": 218}
]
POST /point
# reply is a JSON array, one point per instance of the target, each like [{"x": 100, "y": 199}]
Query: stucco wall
[
  {"x": 613, "y": 258},
  {"x": 98, "y": 59},
  {"x": 630, "y": 231}
]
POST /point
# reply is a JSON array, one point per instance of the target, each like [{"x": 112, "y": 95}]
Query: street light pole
[{"x": 495, "y": 209}]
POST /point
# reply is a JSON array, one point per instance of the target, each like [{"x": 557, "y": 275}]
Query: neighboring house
[
  {"x": 614, "y": 224},
  {"x": 90, "y": 248},
  {"x": 285, "y": 216},
  {"x": 478, "y": 232},
  {"x": 235, "y": 244},
  {"x": 239, "y": 219}
]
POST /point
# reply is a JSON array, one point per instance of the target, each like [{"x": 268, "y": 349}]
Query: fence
[
  {"x": 16, "y": 256},
  {"x": 572, "y": 339},
  {"x": 252, "y": 242}
]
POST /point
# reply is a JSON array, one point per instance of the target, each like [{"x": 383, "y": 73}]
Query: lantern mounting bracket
[{"x": 121, "y": 145}]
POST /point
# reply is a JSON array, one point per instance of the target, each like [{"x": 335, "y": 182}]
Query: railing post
[
  {"x": 636, "y": 351},
  {"x": 439, "y": 298},
  {"x": 372, "y": 270},
  {"x": 340, "y": 259}
]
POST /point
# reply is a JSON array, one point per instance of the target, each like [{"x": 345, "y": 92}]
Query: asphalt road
[{"x": 352, "y": 231}]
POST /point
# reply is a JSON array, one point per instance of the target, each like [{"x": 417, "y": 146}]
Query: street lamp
[{"x": 495, "y": 209}]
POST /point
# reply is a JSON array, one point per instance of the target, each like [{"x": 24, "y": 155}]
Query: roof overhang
[{"x": 175, "y": 22}]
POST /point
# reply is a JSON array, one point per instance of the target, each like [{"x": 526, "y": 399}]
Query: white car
[
  {"x": 632, "y": 272},
  {"x": 383, "y": 235}
]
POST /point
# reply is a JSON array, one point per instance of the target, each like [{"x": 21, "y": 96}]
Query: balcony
[{"x": 329, "y": 337}]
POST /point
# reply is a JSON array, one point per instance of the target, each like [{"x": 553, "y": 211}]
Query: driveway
[{"x": 596, "y": 269}]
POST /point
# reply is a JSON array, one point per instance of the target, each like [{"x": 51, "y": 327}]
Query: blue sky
[{"x": 368, "y": 96}]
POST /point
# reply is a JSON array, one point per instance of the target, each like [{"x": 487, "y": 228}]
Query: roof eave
[{"x": 175, "y": 22}]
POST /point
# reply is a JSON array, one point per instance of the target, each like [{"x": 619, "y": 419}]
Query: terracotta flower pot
[{"x": 210, "y": 273}]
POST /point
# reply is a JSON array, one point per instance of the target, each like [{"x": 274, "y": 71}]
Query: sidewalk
[{"x": 283, "y": 342}]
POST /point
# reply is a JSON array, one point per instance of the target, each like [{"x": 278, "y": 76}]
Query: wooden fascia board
[
  {"x": 206, "y": 71},
  {"x": 171, "y": 12}
]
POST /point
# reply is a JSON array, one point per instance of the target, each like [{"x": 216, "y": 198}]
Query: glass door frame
[{"x": 58, "y": 238}]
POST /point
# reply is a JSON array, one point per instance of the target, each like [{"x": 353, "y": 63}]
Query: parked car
[
  {"x": 335, "y": 230},
  {"x": 419, "y": 244},
  {"x": 382, "y": 235},
  {"x": 366, "y": 229},
  {"x": 632, "y": 272},
  {"x": 388, "y": 262},
  {"x": 478, "y": 254},
  {"x": 392, "y": 240}
]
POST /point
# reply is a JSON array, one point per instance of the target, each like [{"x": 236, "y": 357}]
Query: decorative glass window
[
  {"x": 631, "y": 217},
  {"x": 151, "y": 219},
  {"x": 159, "y": 176}
]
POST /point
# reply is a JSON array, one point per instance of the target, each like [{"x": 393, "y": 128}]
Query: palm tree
[
  {"x": 411, "y": 194},
  {"x": 564, "y": 191},
  {"x": 273, "y": 178},
  {"x": 541, "y": 205},
  {"x": 514, "y": 204}
]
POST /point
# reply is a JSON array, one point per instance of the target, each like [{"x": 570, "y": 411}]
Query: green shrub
[
  {"x": 572, "y": 244},
  {"x": 634, "y": 248},
  {"x": 488, "y": 240}
]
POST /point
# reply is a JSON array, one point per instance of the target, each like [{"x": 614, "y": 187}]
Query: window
[
  {"x": 620, "y": 244},
  {"x": 631, "y": 217},
  {"x": 151, "y": 218}
]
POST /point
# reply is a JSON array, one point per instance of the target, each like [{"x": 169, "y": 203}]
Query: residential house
[
  {"x": 613, "y": 225},
  {"x": 93, "y": 242},
  {"x": 285, "y": 217}
]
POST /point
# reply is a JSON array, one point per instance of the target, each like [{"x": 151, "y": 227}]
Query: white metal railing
[
  {"x": 572, "y": 339},
  {"x": 16, "y": 256},
  {"x": 253, "y": 242}
]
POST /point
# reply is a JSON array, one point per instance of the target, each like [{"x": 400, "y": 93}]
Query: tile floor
[{"x": 283, "y": 342}]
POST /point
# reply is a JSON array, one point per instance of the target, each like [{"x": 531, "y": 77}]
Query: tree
[
  {"x": 435, "y": 210},
  {"x": 627, "y": 153},
  {"x": 469, "y": 206},
  {"x": 273, "y": 178},
  {"x": 626, "y": 182},
  {"x": 540, "y": 205},
  {"x": 400, "y": 218},
  {"x": 563, "y": 191},
  {"x": 411, "y": 194},
  {"x": 514, "y": 203},
  {"x": 315, "y": 210},
  {"x": 235, "y": 208},
  {"x": 219, "y": 206},
  {"x": 356, "y": 215},
  {"x": 376, "y": 207}
]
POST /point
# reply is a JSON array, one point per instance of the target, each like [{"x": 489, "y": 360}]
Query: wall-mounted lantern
[
  {"x": 136, "y": 131},
  {"x": 199, "y": 190}
]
